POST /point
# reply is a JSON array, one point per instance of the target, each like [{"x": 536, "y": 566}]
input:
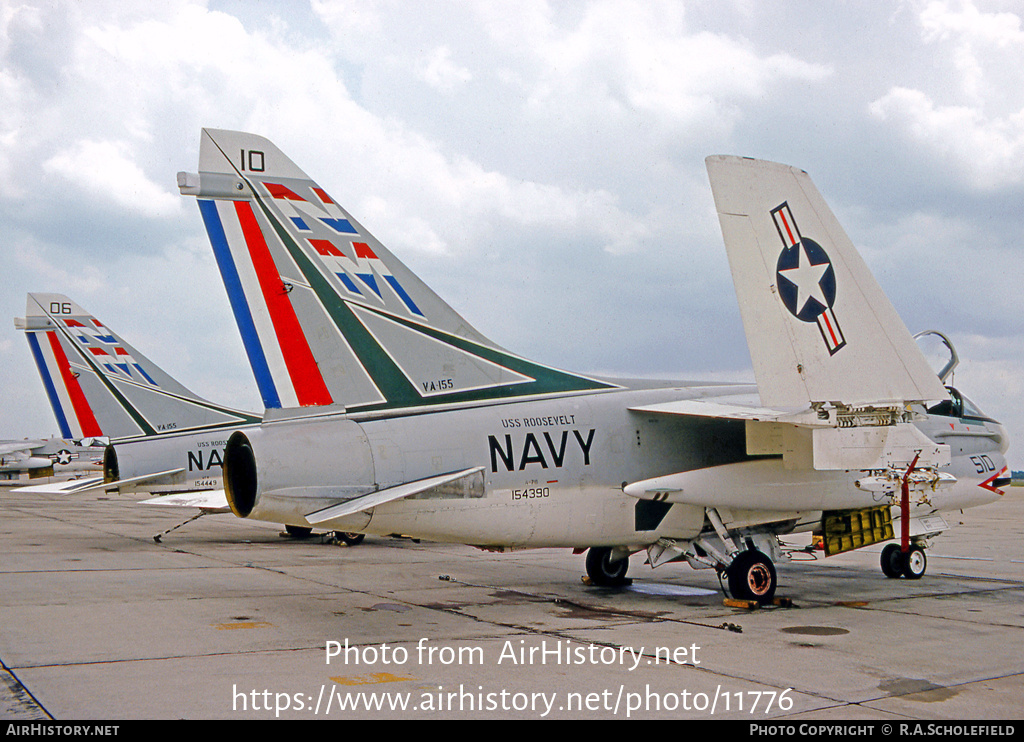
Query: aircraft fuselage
[{"x": 553, "y": 473}]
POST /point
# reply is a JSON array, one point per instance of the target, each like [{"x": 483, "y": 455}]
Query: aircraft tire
[
  {"x": 915, "y": 563},
  {"x": 298, "y": 531},
  {"x": 752, "y": 576},
  {"x": 350, "y": 538},
  {"x": 892, "y": 561},
  {"x": 602, "y": 571}
]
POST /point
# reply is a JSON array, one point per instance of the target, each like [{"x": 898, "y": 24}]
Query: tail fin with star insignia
[
  {"x": 100, "y": 386},
  {"x": 819, "y": 327}
]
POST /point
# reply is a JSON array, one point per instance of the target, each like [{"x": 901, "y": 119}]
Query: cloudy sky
[{"x": 539, "y": 164}]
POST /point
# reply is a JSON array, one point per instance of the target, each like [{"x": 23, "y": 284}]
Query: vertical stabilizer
[
  {"x": 819, "y": 327},
  {"x": 328, "y": 315},
  {"x": 99, "y": 385}
]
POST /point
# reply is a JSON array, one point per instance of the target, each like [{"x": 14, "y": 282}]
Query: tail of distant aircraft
[
  {"x": 327, "y": 314},
  {"x": 99, "y": 385},
  {"x": 819, "y": 327}
]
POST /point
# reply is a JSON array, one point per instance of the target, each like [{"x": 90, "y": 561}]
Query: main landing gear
[
  {"x": 911, "y": 565},
  {"x": 345, "y": 537},
  {"x": 751, "y": 573},
  {"x": 746, "y": 558},
  {"x": 349, "y": 538},
  {"x": 752, "y": 577},
  {"x": 605, "y": 568}
]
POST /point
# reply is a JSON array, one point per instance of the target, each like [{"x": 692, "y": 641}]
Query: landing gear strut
[
  {"x": 752, "y": 577},
  {"x": 905, "y": 558},
  {"x": 602, "y": 571}
]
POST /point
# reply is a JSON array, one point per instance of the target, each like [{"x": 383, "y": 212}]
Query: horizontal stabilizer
[
  {"x": 819, "y": 327},
  {"x": 69, "y": 487},
  {"x": 210, "y": 501},
  {"x": 389, "y": 494},
  {"x": 97, "y": 483}
]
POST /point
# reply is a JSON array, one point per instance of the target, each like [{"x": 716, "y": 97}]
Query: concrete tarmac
[{"x": 226, "y": 618}]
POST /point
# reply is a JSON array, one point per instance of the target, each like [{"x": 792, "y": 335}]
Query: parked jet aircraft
[
  {"x": 387, "y": 412},
  {"x": 49, "y": 457},
  {"x": 170, "y": 440},
  {"x": 98, "y": 384}
]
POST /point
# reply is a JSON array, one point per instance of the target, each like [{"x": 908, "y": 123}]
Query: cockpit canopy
[{"x": 959, "y": 406}]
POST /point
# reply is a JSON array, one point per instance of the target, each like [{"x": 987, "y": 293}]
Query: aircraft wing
[
  {"x": 805, "y": 456},
  {"x": 823, "y": 337},
  {"x": 19, "y": 446},
  {"x": 819, "y": 327},
  {"x": 389, "y": 494},
  {"x": 807, "y": 440}
]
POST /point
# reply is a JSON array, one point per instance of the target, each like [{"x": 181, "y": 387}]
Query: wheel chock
[{"x": 750, "y": 605}]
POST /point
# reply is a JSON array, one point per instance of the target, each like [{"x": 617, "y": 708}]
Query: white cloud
[
  {"x": 986, "y": 48},
  {"x": 962, "y": 20},
  {"x": 974, "y": 117},
  {"x": 646, "y": 56},
  {"x": 104, "y": 171},
  {"x": 207, "y": 61},
  {"x": 43, "y": 262},
  {"x": 440, "y": 71},
  {"x": 986, "y": 150}
]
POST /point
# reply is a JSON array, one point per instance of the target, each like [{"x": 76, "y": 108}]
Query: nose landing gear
[{"x": 911, "y": 564}]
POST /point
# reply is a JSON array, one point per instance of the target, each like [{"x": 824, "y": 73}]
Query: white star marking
[{"x": 807, "y": 279}]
